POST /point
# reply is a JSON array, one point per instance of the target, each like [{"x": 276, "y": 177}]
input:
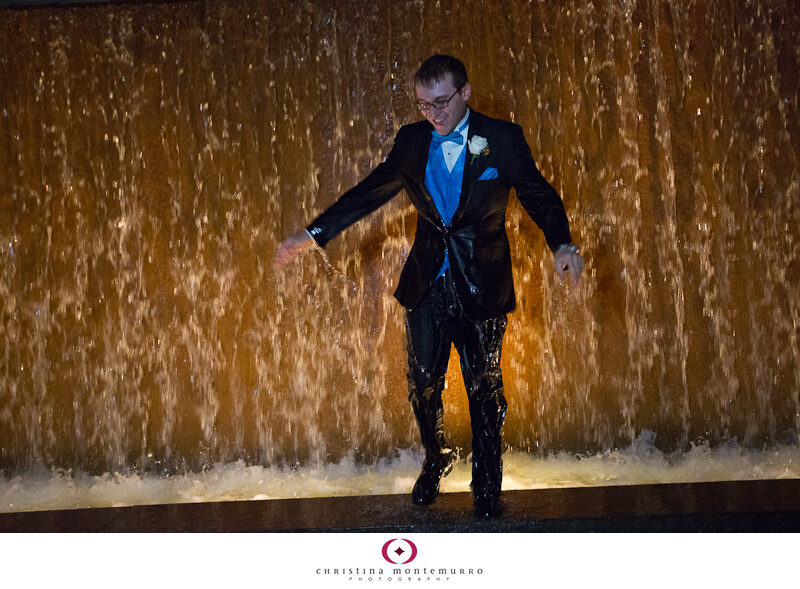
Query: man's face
[{"x": 444, "y": 120}]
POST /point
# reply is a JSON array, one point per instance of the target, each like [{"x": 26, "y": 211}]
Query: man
[{"x": 457, "y": 167}]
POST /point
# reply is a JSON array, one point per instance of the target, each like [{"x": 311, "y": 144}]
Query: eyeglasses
[{"x": 439, "y": 103}]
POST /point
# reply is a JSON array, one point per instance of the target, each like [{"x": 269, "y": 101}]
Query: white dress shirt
[{"x": 452, "y": 150}]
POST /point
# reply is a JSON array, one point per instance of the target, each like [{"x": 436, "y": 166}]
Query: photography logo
[{"x": 399, "y": 551}]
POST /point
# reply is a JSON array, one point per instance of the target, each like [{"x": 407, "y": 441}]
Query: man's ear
[{"x": 466, "y": 91}]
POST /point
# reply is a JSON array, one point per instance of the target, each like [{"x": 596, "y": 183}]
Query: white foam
[{"x": 641, "y": 463}]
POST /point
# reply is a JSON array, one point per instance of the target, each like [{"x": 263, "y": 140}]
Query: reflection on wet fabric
[{"x": 431, "y": 328}]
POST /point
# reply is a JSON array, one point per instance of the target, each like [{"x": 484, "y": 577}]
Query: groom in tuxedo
[{"x": 457, "y": 167}]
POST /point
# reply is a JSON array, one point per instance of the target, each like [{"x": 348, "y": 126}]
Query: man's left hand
[{"x": 568, "y": 258}]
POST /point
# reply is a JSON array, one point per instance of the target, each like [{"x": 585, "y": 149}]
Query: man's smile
[{"x": 444, "y": 118}]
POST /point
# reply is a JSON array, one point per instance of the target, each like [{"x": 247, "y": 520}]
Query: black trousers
[{"x": 431, "y": 328}]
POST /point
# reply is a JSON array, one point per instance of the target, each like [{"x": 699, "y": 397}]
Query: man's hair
[{"x": 435, "y": 69}]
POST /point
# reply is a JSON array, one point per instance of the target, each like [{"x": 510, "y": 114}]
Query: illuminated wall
[{"x": 152, "y": 156}]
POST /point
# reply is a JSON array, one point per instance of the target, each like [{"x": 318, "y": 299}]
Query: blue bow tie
[{"x": 455, "y": 137}]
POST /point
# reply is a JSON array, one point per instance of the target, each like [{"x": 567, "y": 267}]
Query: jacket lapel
[
  {"x": 472, "y": 167},
  {"x": 422, "y": 145}
]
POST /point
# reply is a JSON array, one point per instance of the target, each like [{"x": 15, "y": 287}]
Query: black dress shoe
[
  {"x": 488, "y": 506},
  {"x": 426, "y": 489}
]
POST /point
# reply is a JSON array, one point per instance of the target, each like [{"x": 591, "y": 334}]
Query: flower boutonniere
[{"x": 478, "y": 146}]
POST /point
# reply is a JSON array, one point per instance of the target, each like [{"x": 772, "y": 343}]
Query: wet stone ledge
[{"x": 734, "y": 506}]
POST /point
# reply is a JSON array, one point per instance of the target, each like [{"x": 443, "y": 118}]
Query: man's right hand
[{"x": 291, "y": 246}]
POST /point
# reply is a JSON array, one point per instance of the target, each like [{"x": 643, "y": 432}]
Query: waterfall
[{"x": 152, "y": 156}]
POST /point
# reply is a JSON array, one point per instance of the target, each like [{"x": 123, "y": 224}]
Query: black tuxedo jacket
[{"x": 476, "y": 239}]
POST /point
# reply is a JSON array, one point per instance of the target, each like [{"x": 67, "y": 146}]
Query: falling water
[{"x": 153, "y": 156}]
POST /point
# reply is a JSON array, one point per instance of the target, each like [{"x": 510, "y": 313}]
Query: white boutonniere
[{"x": 478, "y": 146}]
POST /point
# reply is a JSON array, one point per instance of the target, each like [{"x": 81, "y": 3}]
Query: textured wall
[{"x": 152, "y": 156}]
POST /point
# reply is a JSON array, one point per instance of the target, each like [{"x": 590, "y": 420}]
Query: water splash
[{"x": 640, "y": 463}]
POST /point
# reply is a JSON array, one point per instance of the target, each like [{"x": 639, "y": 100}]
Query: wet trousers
[{"x": 431, "y": 328}]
